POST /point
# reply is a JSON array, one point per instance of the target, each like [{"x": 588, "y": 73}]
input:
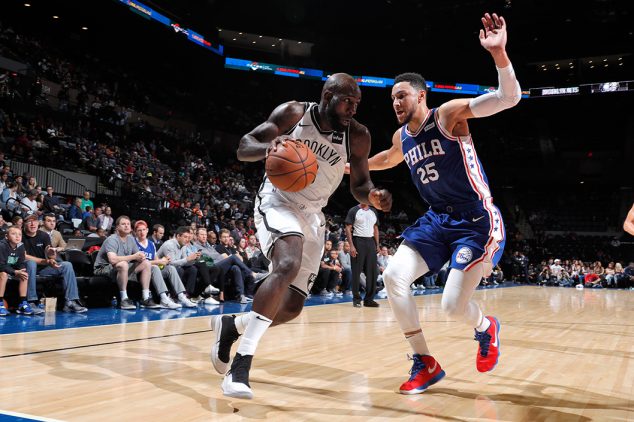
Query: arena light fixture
[
  {"x": 85, "y": 28},
  {"x": 27, "y": 4},
  {"x": 55, "y": 17}
]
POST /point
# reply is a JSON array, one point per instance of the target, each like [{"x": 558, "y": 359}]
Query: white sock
[
  {"x": 124, "y": 295},
  {"x": 418, "y": 343},
  {"x": 146, "y": 294},
  {"x": 241, "y": 322},
  {"x": 258, "y": 325},
  {"x": 484, "y": 325},
  {"x": 164, "y": 297}
]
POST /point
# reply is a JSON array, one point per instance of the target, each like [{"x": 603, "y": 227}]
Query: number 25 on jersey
[{"x": 428, "y": 173}]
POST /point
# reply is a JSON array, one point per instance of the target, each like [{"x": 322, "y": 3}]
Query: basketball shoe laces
[
  {"x": 484, "y": 339},
  {"x": 417, "y": 366}
]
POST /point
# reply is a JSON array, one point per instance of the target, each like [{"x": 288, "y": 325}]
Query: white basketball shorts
[{"x": 275, "y": 218}]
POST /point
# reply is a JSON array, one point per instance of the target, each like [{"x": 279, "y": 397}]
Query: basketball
[{"x": 292, "y": 167}]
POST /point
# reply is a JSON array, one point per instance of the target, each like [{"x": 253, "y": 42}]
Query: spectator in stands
[
  {"x": 51, "y": 203},
  {"x": 41, "y": 260},
  {"x": 176, "y": 250},
  {"x": 256, "y": 259},
  {"x": 75, "y": 211},
  {"x": 86, "y": 202},
  {"x": 242, "y": 251},
  {"x": 212, "y": 238},
  {"x": 328, "y": 277},
  {"x": 17, "y": 221},
  {"x": 12, "y": 263},
  {"x": 31, "y": 184},
  {"x": 4, "y": 180},
  {"x": 105, "y": 220},
  {"x": 89, "y": 222},
  {"x": 120, "y": 259},
  {"x": 161, "y": 269},
  {"x": 29, "y": 204},
  {"x": 382, "y": 259},
  {"x": 10, "y": 196},
  {"x": 598, "y": 269},
  {"x": 576, "y": 272},
  {"x": 618, "y": 274},
  {"x": 346, "y": 267},
  {"x": 48, "y": 227},
  {"x": 496, "y": 277},
  {"x": 545, "y": 275},
  {"x": 244, "y": 283},
  {"x": 207, "y": 274},
  {"x": 3, "y": 225},
  {"x": 158, "y": 231},
  {"x": 609, "y": 274},
  {"x": 252, "y": 249},
  {"x": 238, "y": 232}
]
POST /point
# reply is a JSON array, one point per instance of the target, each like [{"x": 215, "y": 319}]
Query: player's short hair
[{"x": 415, "y": 79}]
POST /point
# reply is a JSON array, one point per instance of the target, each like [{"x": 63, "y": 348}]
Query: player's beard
[
  {"x": 333, "y": 118},
  {"x": 407, "y": 117}
]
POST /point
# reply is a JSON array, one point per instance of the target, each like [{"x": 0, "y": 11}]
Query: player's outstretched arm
[
  {"x": 254, "y": 145},
  {"x": 361, "y": 185},
  {"x": 628, "y": 225},
  {"x": 508, "y": 93},
  {"x": 390, "y": 157},
  {"x": 386, "y": 159}
]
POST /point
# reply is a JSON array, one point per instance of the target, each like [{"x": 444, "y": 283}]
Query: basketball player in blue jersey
[
  {"x": 291, "y": 225},
  {"x": 462, "y": 224}
]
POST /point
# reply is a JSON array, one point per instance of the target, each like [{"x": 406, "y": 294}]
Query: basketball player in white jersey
[
  {"x": 462, "y": 225},
  {"x": 290, "y": 225}
]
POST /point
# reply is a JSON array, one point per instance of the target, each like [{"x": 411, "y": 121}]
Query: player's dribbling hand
[
  {"x": 493, "y": 36},
  {"x": 280, "y": 140},
  {"x": 380, "y": 199}
]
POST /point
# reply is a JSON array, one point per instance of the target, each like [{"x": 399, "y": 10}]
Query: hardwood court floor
[{"x": 567, "y": 355}]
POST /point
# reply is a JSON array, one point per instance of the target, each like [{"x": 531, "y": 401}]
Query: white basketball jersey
[{"x": 331, "y": 149}]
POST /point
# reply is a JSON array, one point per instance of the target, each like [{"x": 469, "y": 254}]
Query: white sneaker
[
  {"x": 187, "y": 303},
  {"x": 245, "y": 299},
  {"x": 420, "y": 287},
  {"x": 168, "y": 303},
  {"x": 211, "y": 301},
  {"x": 212, "y": 290},
  {"x": 325, "y": 293},
  {"x": 237, "y": 390}
]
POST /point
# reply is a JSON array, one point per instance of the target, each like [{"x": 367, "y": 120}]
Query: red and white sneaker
[
  {"x": 425, "y": 372},
  {"x": 489, "y": 348}
]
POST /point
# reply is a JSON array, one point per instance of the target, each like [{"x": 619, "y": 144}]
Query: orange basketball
[{"x": 292, "y": 167}]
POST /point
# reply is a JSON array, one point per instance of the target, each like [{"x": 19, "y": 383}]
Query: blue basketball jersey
[
  {"x": 462, "y": 225},
  {"x": 445, "y": 169}
]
